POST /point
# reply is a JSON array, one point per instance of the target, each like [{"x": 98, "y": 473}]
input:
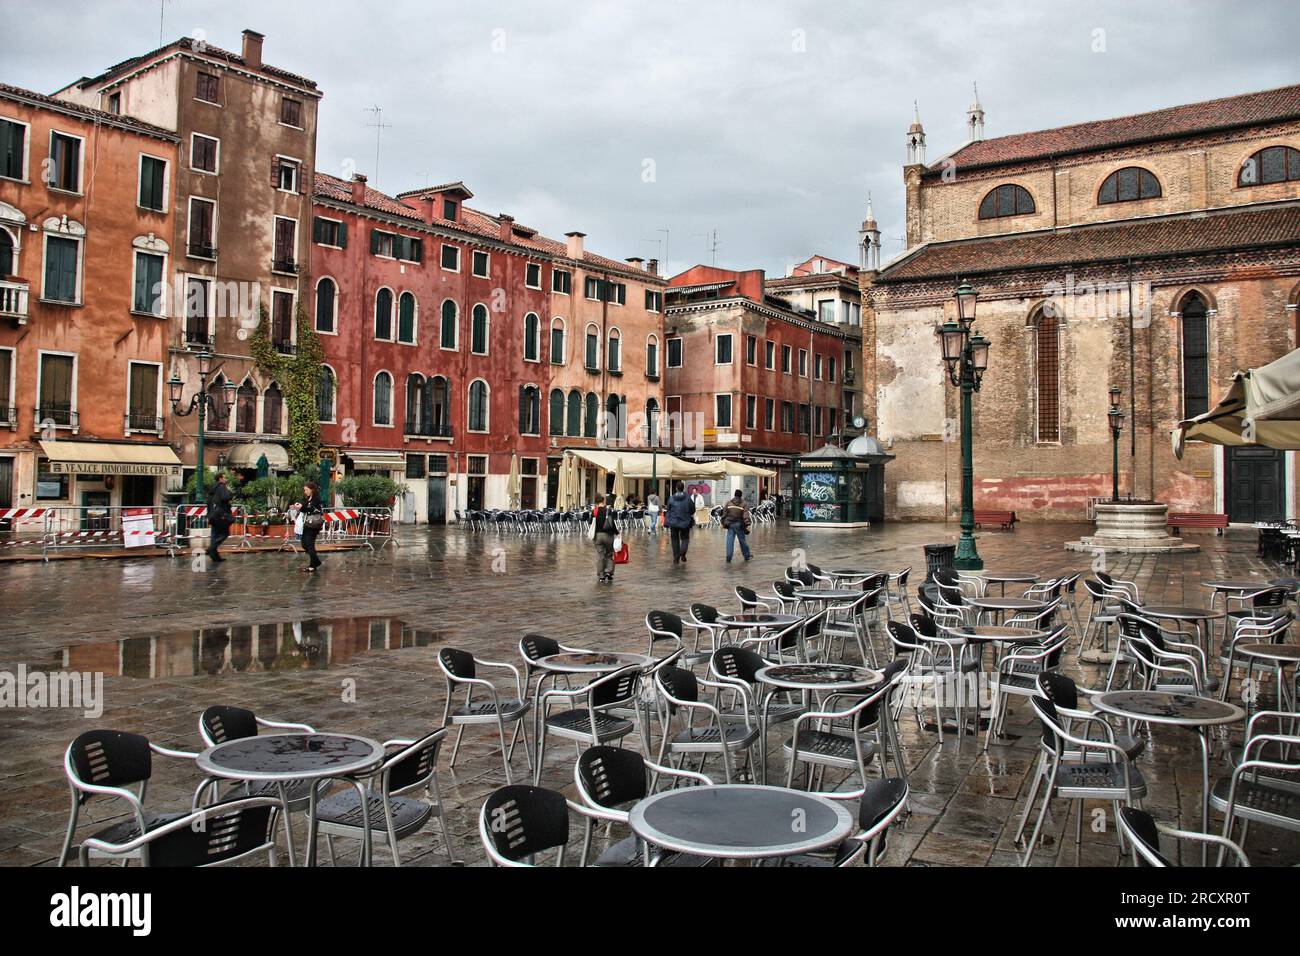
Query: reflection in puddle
[{"x": 247, "y": 648}]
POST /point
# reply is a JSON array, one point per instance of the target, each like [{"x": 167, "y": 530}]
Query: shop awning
[
  {"x": 1262, "y": 407},
  {"x": 643, "y": 464},
  {"x": 390, "y": 460},
  {"x": 247, "y": 454},
  {"x": 110, "y": 458},
  {"x": 739, "y": 468}
]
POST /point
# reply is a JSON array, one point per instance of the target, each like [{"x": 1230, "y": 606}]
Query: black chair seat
[
  {"x": 627, "y": 852},
  {"x": 1260, "y": 801},
  {"x": 1184, "y": 681},
  {"x": 608, "y": 727},
  {"x": 487, "y": 709},
  {"x": 738, "y": 734},
  {"x": 126, "y": 830},
  {"x": 1097, "y": 779},
  {"x": 343, "y": 809},
  {"x": 821, "y": 743}
]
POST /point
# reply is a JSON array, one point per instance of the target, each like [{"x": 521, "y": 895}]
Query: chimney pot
[
  {"x": 507, "y": 227},
  {"x": 573, "y": 248},
  {"x": 359, "y": 189},
  {"x": 253, "y": 49},
  {"x": 652, "y": 266}
]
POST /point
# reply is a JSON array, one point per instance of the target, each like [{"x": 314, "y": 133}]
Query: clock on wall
[{"x": 859, "y": 421}]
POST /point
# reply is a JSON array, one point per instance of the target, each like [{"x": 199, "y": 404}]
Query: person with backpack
[
  {"x": 736, "y": 519},
  {"x": 679, "y": 516},
  {"x": 604, "y": 529},
  {"x": 220, "y": 517}
]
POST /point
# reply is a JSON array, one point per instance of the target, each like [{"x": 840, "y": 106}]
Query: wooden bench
[
  {"x": 1006, "y": 520},
  {"x": 1179, "y": 520}
]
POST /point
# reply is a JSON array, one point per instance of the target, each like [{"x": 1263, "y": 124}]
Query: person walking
[
  {"x": 736, "y": 519},
  {"x": 602, "y": 520},
  {"x": 652, "y": 509},
  {"x": 679, "y": 518},
  {"x": 220, "y": 517},
  {"x": 312, "y": 511}
]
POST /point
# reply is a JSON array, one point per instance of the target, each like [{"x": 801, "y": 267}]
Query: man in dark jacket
[
  {"x": 678, "y": 518},
  {"x": 735, "y": 518},
  {"x": 220, "y": 517}
]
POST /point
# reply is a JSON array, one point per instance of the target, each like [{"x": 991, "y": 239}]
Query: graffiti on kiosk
[
  {"x": 817, "y": 486},
  {"x": 699, "y": 489},
  {"x": 821, "y": 512}
]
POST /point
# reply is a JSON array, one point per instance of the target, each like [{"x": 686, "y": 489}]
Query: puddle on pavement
[{"x": 316, "y": 644}]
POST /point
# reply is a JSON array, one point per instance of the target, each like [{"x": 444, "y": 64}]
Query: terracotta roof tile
[
  {"x": 1228, "y": 112},
  {"x": 1228, "y": 229},
  {"x": 127, "y": 122}
]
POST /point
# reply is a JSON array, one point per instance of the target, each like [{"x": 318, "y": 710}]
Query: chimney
[
  {"x": 574, "y": 244},
  {"x": 634, "y": 261},
  {"x": 358, "y": 189},
  {"x": 652, "y": 266},
  {"x": 253, "y": 49},
  {"x": 507, "y": 227}
]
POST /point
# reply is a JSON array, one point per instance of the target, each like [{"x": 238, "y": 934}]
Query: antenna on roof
[
  {"x": 162, "y": 10},
  {"x": 379, "y": 126}
]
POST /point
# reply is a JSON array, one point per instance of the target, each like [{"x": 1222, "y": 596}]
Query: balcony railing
[
  {"x": 59, "y": 414},
  {"x": 143, "y": 421},
  {"x": 202, "y": 250},
  {"x": 284, "y": 347},
  {"x": 199, "y": 338},
  {"x": 284, "y": 265},
  {"x": 7, "y": 418},
  {"x": 419, "y": 429},
  {"x": 13, "y": 301}
]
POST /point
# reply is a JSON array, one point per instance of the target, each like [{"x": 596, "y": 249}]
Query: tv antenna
[{"x": 379, "y": 126}]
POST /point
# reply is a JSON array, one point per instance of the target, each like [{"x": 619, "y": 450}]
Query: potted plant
[{"x": 370, "y": 491}]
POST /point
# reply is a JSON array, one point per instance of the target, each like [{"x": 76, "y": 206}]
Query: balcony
[
  {"x": 418, "y": 429},
  {"x": 143, "y": 421},
  {"x": 284, "y": 347},
  {"x": 199, "y": 339},
  {"x": 13, "y": 301},
  {"x": 280, "y": 264},
  {"x": 55, "y": 414},
  {"x": 201, "y": 250}
]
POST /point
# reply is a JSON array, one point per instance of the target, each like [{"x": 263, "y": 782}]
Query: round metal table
[
  {"x": 284, "y": 758},
  {"x": 999, "y": 634},
  {"x": 1009, "y": 577},
  {"x": 590, "y": 662},
  {"x": 1187, "y": 614},
  {"x": 1000, "y": 605},
  {"x": 740, "y": 821},
  {"x": 756, "y": 619},
  {"x": 827, "y": 594},
  {"x": 842, "y": 576},
  {"x": 1176, "y": 710}
]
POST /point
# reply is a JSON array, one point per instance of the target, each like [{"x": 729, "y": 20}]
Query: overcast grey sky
[{"x": 766, "y": 120}]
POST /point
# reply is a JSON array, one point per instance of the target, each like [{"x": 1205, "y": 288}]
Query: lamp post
[
  {"x": 1116, "y": 418},
  {"x": 966, "y": 356},
  {"x": 201, "y": 402}
]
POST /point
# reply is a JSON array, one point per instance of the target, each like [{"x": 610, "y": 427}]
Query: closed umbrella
[
  {"x": 561, "y": 480},
  {"x": 574, "y": 488},
  {"x": 513, "y": 486},
  {"x": 620, "y": 486},
  {"x": 263, "y": 466}
]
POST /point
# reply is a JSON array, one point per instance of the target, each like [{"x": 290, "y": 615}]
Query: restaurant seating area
[{"x": 697, "y": 742}]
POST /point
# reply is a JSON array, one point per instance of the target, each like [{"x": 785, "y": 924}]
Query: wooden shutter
[
  {"x": 1049, "y": 360},
  {"x": 343, "y": 235}
]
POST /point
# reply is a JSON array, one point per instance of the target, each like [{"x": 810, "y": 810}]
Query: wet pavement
[{"x": 352, "y": 649}]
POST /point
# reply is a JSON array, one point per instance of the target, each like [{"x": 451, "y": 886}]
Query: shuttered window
[
  {"x": 1048, "y": 370},
  {"x": 148, "y": 283},
  {"x": 60, "y": 269},
  {"x": 1196, "y": 358},
  {"x": 153, "y": 182}
]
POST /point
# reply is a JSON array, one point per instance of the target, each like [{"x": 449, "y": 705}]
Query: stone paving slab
[{"x": 353, "y": 648}]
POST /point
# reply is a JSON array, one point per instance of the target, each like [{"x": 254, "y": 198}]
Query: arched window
[
  {"x": 614, "y": 351},
  {"x": 592, "y": 412},
  {"x": 530, "y": 410},
  {"x": 1196, "y": 356},
  {"x": 652, "y": 355},
  {"x": 6, "y": 253},
  {"x": 1047, "y": 376},
  {"x": 246, "y": 408},
  {"x": 437, "y": 397},
  {"x": 273, "y": 410},
  {"x": 531, "y": 341},
  {"x": 573, "y": 426},
  {"x": 325, "y": 394},
  {"x": 384, "y": 315},
  {"x": 615, "y": 422},
  {"x": 1006, "y": 200},
  {"x": 406, "y": 319},
  {"x": 448, "y": 335},
  {"x": 592, "y": 357},
  {"x": 652, "y": 422},
  {"x": 383, "y": 399},
  {"x": 478, "y": 332},
  {"x": 1128, "y": 184},
  {"x": 556, "y": 425},
  {"x": 557, "y": 341},
  {"x": 218, "y": 414},
  {"x": 417, "y": 418},
  {"x": 478, "y": 406},
  {"x": 1276, "y": 164},
  {"x": 326, "y": 292}
]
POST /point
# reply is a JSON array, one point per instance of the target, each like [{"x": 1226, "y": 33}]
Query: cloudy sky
[{"x": 653, "y": 123}]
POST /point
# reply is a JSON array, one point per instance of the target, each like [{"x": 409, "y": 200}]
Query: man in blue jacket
[{"x": 679, "y": 517}]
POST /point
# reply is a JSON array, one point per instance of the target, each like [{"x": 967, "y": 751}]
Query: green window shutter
[
  {"x": 141, "y": 282},
  {"x": 343, "y": 234},
  {"x": 374, "y": 241},
  {"x": 317, "y": 229},
  {"x": 417, "y": 250}
]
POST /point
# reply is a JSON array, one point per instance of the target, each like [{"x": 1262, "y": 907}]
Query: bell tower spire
[
  {"x": 916, "y": 139},
  {"x": 975, "y": 118}
]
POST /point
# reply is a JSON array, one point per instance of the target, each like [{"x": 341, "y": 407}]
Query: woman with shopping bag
[{"x": 604, "y": 532}]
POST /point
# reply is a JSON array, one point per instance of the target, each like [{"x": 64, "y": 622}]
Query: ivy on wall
[{"x": 297, "y": 375}]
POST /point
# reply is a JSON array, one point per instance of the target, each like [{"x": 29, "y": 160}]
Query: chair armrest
[
  {"x": 167, "y": 752},
  {"x": 1209, "y": 838},
  {"x": 598, "y": 813},
  {"x": 282, "y": 725},
  {"x": 683, "y": 773}
]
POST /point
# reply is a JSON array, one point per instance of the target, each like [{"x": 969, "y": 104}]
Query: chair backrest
[
  {"x": 738, "y": 662},
  {"x": 680, "y": 684},
  {"x": 814, "y": 569},
  {"x": 874, "y": 596},
  {"x": 220, "y": 723},
  {"x": 1140, "y": 827},
  {"x": 518, "y": 821},
  {"x": 1059, "y": 689},
  {"x": 537, "y": 646},
  {"x": 416, "y": 764},
  {"x": 748, "y": 597},
  {"x": 616, "y": 688},
  {"x": 903, "y": 636},
  {"x": 1273, "y": 597},
  {"x": 612, "y": 775},
  {"x": 1095, "y": 589},
  {"x": 704, "y": 613},
  {"x": 110, "y": 758},
  {"x": 923, "y": 625},
  {"x": 881, "y": 799},
  {"x": 803, "y": 576},
  {"x": 457, "y": 664},
  {"x": 1050, "y": 722},
  {"x": 663, "y": 625},
  {"x": 222, "y": 835},
  {"x": 876, "y": 582},
  {"x": 901, "y": 578},
  {"x": 784, "y": 589}
]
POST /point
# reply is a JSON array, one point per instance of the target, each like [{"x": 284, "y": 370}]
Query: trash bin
[{"x": 938, "y": 557}]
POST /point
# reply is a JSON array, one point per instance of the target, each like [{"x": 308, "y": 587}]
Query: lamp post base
[{"x": 967, "y": 558}]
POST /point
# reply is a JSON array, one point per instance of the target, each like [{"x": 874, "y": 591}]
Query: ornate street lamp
[
  {"x": 966, "y": 356},
  {"x": 203, "y": 402},
  {"x": 1116, "y": 418}
]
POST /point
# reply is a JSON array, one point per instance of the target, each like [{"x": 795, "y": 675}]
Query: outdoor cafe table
[
  {"x": 999, "y": 635},
  {"x": 282, "y": 759},
  {"x": 998, "y": 606},
  {"x": 1232, "y": 590},
  {"x": 1183, "y": 614},
  {"x": 590, "y": 662},
  {"x": 1280, "y": 656},
  {"x": 827, "y": 594},
  {"x": 740, "y": 821},
  {"x": 1176, "y": 710},
  {"x": 1009, "y": 577},
  {"x": 842, "y": 576},
  {"x": 756, "y": 620}
]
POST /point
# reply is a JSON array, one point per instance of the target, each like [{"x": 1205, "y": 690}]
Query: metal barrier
[
  {"x": 366, "y": 525},
  {"x": 71, "y": 527},
  {"x": 22, "y": 528}
]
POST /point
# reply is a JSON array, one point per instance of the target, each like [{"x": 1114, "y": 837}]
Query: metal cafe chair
[
  {"x": 738, "y": 667},
  {"x": 804, "y": 577},
  {"x": 1260, "y": 789},
  {"x": 1262, "y": 631},
  {"x": 849, "y": 619},
  {"x": 225, "y": 832},
  {"x": 612, "y": 780},
  {"x": 703, "y": 619},
  {"x": 1116, "y": 780},
  {"x": 105, "y": 763},
  {"x": 751, "y": 602},
  {"x": 1064, "y": 693},
  {"x": 880, "y": 803},
  {"x": 588, "y": 718},
  {"x": 460, "y": 668},
  {"x": 678, "y": 690},
  {"x": 413, "y": 767},
  {"x": 897, "y": 589},
  {"x": 919, "y": 660},
  {"x": 1101, "y": 615},
  {"x": 517, "y": 823},
  {"x": 784, "y": 591},
  {"x": 1163, "y": 663},
  {"x": 1143, "y": 834},
  {"x": 1018, "y": 671},
  {"x": 664, "y": 626},
  {"x": 532, "y": 648}
]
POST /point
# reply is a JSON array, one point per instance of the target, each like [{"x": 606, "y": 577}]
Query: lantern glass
[
  {"x": 175, "y": 387},
  {"x": 228, "y": 390},
  {"x": 1114, "y": 397},
  {"x": 952, "y": 338},
  {"x": 205, "y": 363},
  {"x": 966, "y": 299},
  {"x": 979, "y": 347}
]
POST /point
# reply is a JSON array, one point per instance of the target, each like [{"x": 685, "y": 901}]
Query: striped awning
[{"x": 68, "y": 457}]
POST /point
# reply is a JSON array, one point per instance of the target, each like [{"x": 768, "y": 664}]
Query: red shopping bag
[{"x": 620, "y": 556}]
